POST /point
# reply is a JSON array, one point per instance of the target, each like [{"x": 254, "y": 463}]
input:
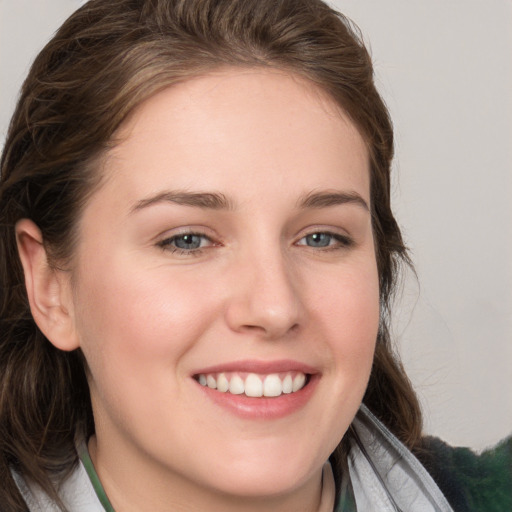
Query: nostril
[
  {"x": 270, "y": 330},
  {"x": 271, "y": 311}
]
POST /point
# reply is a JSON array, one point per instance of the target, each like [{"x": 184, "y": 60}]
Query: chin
[
  {"x": 262, "y": 482},
  {"x": 268, "y": 472}
]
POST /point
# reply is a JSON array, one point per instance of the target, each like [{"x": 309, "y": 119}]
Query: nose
[{"x": 265, "y": 297}]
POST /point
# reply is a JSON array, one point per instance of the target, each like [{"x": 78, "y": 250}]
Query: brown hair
[{"x": 106, "y": 59}]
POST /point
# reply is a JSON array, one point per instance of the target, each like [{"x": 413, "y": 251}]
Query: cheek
[
  {"x": 348, "y": 311},
  {"x": 344, "y": 322},
  {"x": 349, "y": 306},
  {"x": 134, "y": 321},
  {"x": 135, "y": 333}
]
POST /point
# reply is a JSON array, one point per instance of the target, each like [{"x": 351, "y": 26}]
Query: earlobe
[{"x": 48, "y": 289}]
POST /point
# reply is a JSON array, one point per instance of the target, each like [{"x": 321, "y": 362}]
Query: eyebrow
[
  {"x": 218, "y": 201},
  {"x": 324, "y": 199},
  {"x": 206, "y": 200}
]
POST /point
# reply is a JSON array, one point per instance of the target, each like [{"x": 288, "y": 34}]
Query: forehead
[{"x": 233, "y": 127}]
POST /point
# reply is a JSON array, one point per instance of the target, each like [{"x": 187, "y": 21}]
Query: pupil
[
  {"x": 319, "y": 240},
  {"x": 188, "y": 242}
]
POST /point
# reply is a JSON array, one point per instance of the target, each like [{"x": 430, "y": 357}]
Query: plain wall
[{"x": 445, "y": 71}]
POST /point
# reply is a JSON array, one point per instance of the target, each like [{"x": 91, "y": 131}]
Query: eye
[
  {"x": 186, "y": 243},
  {"x": 323, "y": 240}
]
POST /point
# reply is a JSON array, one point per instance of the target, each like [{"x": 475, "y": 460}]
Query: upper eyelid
[
  {"x": 186, "y": 230},
  {"x": 342, "y": 238},
  {"x": 337, "y": 236},
  {"x": 330, "y": 230},
  {"x": 168, "y": 246},
  {"x": 187, "y": 233}
]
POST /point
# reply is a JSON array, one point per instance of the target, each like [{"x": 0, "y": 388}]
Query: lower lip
[{"x": 263, "y": 408}]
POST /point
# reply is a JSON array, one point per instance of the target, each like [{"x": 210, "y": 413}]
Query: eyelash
[
  {"x": 166, "y": 244},
  {"x": 342, "y": 242}
]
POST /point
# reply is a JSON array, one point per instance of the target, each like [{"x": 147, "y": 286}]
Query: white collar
[{"x": 385, "y": 475}]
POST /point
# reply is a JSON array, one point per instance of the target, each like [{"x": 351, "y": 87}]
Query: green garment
[{"x": 471, "y": 482}]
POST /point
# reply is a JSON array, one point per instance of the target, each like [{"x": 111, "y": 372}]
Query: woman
[{"x": 198, "y": 254}]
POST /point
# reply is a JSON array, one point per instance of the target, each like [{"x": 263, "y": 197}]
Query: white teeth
[
  {"x": 288, "y": 384},
  {"x": 298, "y": 382},
  {"x": 211, "y": 382},
  {"x": 272, "y": 386},
  {"x": 236, "y": 385},
  {"x": 255, "y": 385},
  {"x": 222, "y": 383}
]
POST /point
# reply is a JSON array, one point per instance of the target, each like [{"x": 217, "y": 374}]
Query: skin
[{"x": 148, "y": 315}]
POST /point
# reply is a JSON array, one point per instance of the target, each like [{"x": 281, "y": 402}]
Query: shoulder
[{"x": 471, "y": 482}]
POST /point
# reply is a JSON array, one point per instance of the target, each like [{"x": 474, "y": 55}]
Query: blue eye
[
  {"x": 186, "y": 243},
  {"x": 324, "y": 240},
  {"x": 318, "y": 240}
]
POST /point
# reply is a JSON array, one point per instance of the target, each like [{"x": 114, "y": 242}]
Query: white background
[{"x": 444, "y": 68}]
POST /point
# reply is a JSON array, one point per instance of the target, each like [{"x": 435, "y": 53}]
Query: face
[{"x": 228, "y": 254}]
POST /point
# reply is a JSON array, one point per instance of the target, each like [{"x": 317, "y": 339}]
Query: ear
[{"x": 48, "y": 289}]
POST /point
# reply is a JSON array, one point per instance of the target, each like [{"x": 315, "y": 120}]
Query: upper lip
[{"x": 258, "y": 366}]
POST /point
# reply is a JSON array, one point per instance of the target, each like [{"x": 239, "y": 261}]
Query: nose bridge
[{"x": 266, "y": 293}]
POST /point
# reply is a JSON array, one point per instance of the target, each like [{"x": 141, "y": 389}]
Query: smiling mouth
[{"x": 254, "y": 385}]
